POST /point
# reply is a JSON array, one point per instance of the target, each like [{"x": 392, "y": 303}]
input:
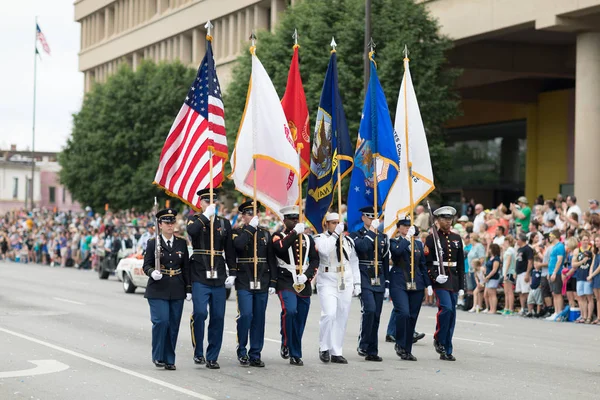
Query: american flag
[
  {"x": 42, "y": 39},
  {"x": 198, "y": 130}
]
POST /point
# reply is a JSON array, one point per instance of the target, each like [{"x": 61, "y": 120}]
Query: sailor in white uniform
[{"x": 338, "y": 279}]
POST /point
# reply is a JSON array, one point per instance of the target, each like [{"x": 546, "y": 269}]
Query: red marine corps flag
[
  {"x": 196, "y": 137},
  {"x": 296, "y": 111}
]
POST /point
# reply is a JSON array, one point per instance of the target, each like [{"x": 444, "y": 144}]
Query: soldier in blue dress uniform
[
  {"x": 448, "y": 279},
  {"x": 374, "y": 285},
  {"x": 252, "y": 294},
  {"x": 167, "y": 288},
  {"x": 208, "y": 284},
  {"x": 407, "y": 298},
  {"x": 294, "y": 305}
]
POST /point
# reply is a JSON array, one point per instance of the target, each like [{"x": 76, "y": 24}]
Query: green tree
[
  {"x": 395, "y": 23},
  {"x": 118, "y": 135}
]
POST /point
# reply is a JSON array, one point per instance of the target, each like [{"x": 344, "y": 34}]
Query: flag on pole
[
  {"x": 331, "y": 149},
  {"x": 265, "y": 151},
  {"x": 42, "y": 39},
  {"x": 375, "y": 141},
  {"x": 296, "y": 112},
  {"x": 413, "y": 152},
  {"x": 197, "y": 133}
]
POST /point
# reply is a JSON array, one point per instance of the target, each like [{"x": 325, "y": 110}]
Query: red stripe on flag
[
  {"x": 173, "y": 159},
  {"x": 195, "y": 136},
  {"x": 216, "y": 110}
]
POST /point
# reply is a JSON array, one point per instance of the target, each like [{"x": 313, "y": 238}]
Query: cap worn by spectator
[
  {"x": 523, "y": 200},
  {"x": 463, "y": 218},
  {"x": 593, "y": 201}
]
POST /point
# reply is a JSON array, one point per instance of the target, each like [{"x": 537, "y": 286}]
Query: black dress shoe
[
  {"x": 244, "y": 361},
  {"x": 199, "y": 360},
  {"x": 417, "y": 336},
  {"x": 212, "y": 365},
  {"x": 438, "y": 347},
  {"x": 296, "y": 361},
  {"x": 361, "y": 352},
  {"x": 400, "y": 352},
  {"x": 159, "y": 364},
  {"x": 390, "y": 339},
  {"x": 447, "y": 357},
  {"x": 284, "y": 352},
  {"x": 256, "y": 362},
  {"x": 373, "y": 357},
  {"x": 324, "y": 356},
  {"x": 170, "y": 367},
  {"x": 408, "y": 357},
  {"x": 338, "y": 360}
]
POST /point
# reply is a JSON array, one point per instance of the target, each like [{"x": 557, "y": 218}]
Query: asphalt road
[{"x": 64, "y": 334}]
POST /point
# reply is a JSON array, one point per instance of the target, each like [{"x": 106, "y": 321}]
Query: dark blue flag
[
  {"x": 331, "y": 149},
  {"x": 375, "y": 142}
]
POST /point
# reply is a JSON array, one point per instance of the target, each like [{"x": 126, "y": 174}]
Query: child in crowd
[
  {"x": 535, "y": 295},
  {"x": 479, "y": 287}
]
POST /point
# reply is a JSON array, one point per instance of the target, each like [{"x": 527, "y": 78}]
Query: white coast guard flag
[
  {"x": 264, "y": 136},
  {"x": 411, "y": 144}
]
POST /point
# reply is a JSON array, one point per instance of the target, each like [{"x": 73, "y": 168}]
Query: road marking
[
  {"x": 468, "y": 340},
  {"x": 69, "y": 301},
  {"x": 266, "y": 339},
  {"x": 466, "y": 321},
  {"x": 42, "y": 367},
  {"x": 111, "y": 366}
]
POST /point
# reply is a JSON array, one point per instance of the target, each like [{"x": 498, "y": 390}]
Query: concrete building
[
  {"x": 530, "y": 88},
  {"x": 15, "y": 182}
]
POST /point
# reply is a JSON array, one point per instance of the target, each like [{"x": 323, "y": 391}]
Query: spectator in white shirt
[
  {"x": 573, "y": 207},
  {"x": 499, "y": 238},
  {"x": 479, "y": 218}
]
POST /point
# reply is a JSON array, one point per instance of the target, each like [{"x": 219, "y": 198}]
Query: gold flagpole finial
[
  {"x": 405, "y": 52},
  {"x": 253, "y": 40},
  {"x": 372, "y": 46}
]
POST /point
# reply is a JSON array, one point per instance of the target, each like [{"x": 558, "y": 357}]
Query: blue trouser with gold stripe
[
  {"x": 165, "y": 316},
  {"x": 208, "y": 301},
  {"x": 252, "y": 307},
  {"x": 294, "y": 311}
]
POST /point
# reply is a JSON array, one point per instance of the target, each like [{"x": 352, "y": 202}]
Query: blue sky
[{"x": 59, "y": 82}]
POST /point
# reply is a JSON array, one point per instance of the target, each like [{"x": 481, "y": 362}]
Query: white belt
[{"x": 446, "y": 263}]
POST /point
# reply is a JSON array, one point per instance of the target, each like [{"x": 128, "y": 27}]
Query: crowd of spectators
[{"x": 519, "y": 259}]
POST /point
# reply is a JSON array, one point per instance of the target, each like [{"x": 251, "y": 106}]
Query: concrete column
[
  {"x": 117, "y": 22},
  {"x": 131, "y": 13},
  {"x": 135, "y": 60},
  {"x": 231, "y": 36},
  {"x": 587, "y": 117},
  {"x": 249, "y": 22},
  {"x": 198, "y": 46},
  {"x": 217, "y": 39},
  {"x": 277, "y": 7},
  {"x": 163, "y": 50},
  {"x": 106, "y": 22},
  {"x": 162, "y": 6},
  {"x": 169, "y": 51},
  {"x": 261, "y": 17},
  {"x": 185, "y": 49},
  {"x": 222, "y": 40},
  {"x": 239, "y": 38}
]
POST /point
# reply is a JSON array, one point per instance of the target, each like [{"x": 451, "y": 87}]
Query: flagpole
[
  {"x": 208, "y": 27},
  {"x": 409, "y": 164},
  {"x": 33, "y": 123},
  {"x": 375, "y": 182},
  {"x": 341, "y": 283},
  {"x": 300, "y": 208},
  {"x": 252, "y": 51}
]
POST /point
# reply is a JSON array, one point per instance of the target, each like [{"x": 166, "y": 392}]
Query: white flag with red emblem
[{"x": 265, "y": 155}]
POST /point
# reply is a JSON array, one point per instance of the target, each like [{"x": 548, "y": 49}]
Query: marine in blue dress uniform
[
  {"x": 252, "y": 293},
  {"x": 294, "y": 305},
  {"x": 449, "y": 284},
  {"x": 166, "y": 289},
  {"x": 374, "y": 286},
  {"x": 407, "y": 299},
  {"x": 208, "y": 285}
]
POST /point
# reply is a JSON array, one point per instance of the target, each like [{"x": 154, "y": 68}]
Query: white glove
[
  {"x": 272, "y": 290},
  {"x": 299, "y": 228},
  {"x": 357, "y": 291},
  {"x": 441, "y": 279},
  {"x": 411, "y": 232},
  {"x": 254, "y": 222},
  {"x": 156, "y": 275},
  {"x": 188, "y": 296},
  {"x": 461, "y": 292},
  {"x": 302, "y": 278},
  {"x": 429, "y": 291},
  {"x": 229, "y": 282},
  {"x": 375, "y": 224},
  {"x": 386, "y": 294},
  {"x": 339, "y": 229},
  {"x": 210, "y": 211}
]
